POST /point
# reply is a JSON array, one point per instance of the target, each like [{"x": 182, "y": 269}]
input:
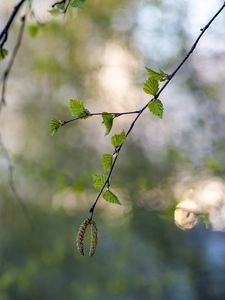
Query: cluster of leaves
[
  {"x": 151, "y": 87},
  {"x": 57, "y": 10},
  {"x": 79, "y": 111},
  {"x": 60, "y": 8},
  {"x": 101, "y": 181}
]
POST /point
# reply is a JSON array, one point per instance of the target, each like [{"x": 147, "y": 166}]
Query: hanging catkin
[
  {"x": 94, "y": 238},
  {"x": 81, "y": 236}
]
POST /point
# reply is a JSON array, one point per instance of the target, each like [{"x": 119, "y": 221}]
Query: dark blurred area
[{"x": 98, "y": 54}]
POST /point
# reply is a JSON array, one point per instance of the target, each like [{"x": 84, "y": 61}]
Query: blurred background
[{"x": 98, "y": 54}]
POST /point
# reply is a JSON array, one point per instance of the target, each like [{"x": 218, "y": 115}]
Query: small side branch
[
  {"x": 4, "y": 33},
  {"x": 67, "y": 6},
  {"x": 65, "y": 3},
  {"x": 58, "y": 3},
  {"x": 115, "y": 115},
  {"x": 11, "y": 62}
]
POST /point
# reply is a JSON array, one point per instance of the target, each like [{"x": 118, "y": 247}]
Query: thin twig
[
  {"x": 11, "y": 61},
  {"x": 4, "y": 33},
  {"x": 67, "y": 6},
  {"x": 203, "y": 30},
  {"x": 58, "y": 3},
  {"x": 62, "y": 2},
  {"x": 115, "y": 115},
  {"x": 12, "y": 184}
]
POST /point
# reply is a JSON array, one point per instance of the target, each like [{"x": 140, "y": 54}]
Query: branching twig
[
  {"x": 11, "y": 61},
  {"x": 4, "y": 33},
  {"x": 117, "y": 152}
]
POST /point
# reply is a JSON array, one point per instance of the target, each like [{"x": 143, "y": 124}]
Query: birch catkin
[
  {"x": 81, "y": 236},
  {"x": 94, "y": 238}
]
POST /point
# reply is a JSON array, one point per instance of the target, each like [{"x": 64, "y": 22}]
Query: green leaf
[
  {"x": 161, "y": 76},
  {"x": 204, "y": 217},
  {"x": 54, "y": 126},
  {"x": 110, "y": 197},
  {"x": 151, "y": 86},
  {"x": 55, "y": 12},
  {"x": 107, "y": 121},
  {"x": 99, "y": 180},
  {"x": 156, "y": 107},
  {"x": 3, "y": 53},
  {"x": 118, "y": 139},
  {"x": 33, "y": 30},
  {"x": 77, "y": 3},
  {"x": 60, "y": 6},
  {"x": 107, "y": 160},
  {"x": 77, "y": 109}
]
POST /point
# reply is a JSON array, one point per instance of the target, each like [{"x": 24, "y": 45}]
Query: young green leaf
[
  {"x": 107, "y": 160},
  {"x": 204, "y": 217},
  {"x": 154, "y": 74},
  {"x": 3, "y": 53},
  {"x": 110, "y": 197},
  {"x": 107, "y": 121},
  {"x": 33, "y": 30},
  {"x": 151, "y": 86},
  {"x": 118, "y": 139},
  {"x": 54, "y": 126},
  {"x": 77, "y": 109},
  {"x": 77, "y": 3},
  {"x": 161, "y": 76},
  {"x": 60, "y": 6},
  {"x": 55, "y": 12},
  {"x": 156, "y": 107},
  {"x": 98, "y": 181}
]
